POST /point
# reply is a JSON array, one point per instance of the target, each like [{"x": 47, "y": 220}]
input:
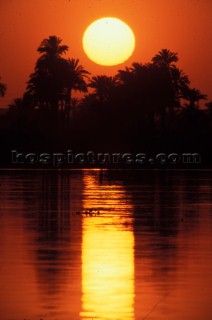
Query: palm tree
[
  {"x": 137, "y": 67},
  {"x": 74, "y": 78},
  {"x": 103, "y": 86},
  {"x": 193, "y": 96},
  {"x": 3, "y": 89},
  {"x": 52, "y": 48},
  {"x": 125, "y": 76},
  {"x": 179, "y": 84},
  {"x": 174, "y": 82},
  {"x": 50, "y": 86},
  {"x": 47, "y": 82},
  {"x": 155, "y": 88},
  {"x": 165, "y": 58},
  {"x": 38, "y": 89},
  {"x": 180, "y": 80}
]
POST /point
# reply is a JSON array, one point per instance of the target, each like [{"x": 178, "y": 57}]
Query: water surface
[{"x": 146, "y": 255}]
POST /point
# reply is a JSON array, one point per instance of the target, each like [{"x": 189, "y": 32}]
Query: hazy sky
[{"x": 179, "y": 25}]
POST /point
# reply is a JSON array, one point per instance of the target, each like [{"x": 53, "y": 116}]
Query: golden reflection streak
[{"x": 107, "y": 255}]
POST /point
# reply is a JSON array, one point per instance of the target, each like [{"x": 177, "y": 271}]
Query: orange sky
[{"x": 179, "y": 25}]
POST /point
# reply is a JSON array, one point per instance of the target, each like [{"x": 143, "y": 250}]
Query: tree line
[{"x": 148, "y": 105}]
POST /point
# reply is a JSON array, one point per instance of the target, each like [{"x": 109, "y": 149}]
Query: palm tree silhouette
[
  {"x": 47, "y": 82},
  {"x": 174, "y": 82},
  {"x": 179, "y": 84},
  {"x": 74, "y": 78},
  {"x": 3, "y": 89},
  {"x": 125, "y": 76},
  {"x": 165, "y": 58},
  {"x": 54, "y": 78},
  {"x": 103, "y": 86},
  {"x": 193, "y": 96},
  {"x": 180, "y": 80},
  {"x": 51, "y": 48},
  {"x": 38, "y": 90},
  {"x": 137, "y": 67}
]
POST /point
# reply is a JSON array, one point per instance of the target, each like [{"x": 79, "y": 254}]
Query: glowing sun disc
[{"x": 108, "y": 41}]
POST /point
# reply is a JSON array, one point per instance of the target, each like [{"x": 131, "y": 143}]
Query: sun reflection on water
[{"x": 107, "y": 254}]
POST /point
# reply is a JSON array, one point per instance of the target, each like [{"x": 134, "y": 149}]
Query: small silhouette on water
[{"x": 87, "y": 212}]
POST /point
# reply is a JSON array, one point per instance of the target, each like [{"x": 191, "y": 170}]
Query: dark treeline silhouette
[
  {"x": 3, "y": 89},
  {"x": 144, "y": 108}
]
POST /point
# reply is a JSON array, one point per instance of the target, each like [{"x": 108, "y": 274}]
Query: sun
[{"x": 108, "y": 41}]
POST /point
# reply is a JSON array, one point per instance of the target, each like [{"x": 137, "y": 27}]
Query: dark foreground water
[{"x": 147, "y": 255}]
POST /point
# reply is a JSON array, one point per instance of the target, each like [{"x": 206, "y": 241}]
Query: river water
[{"x": 144, "y": 252}]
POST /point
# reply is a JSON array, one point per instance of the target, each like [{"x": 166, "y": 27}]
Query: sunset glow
[{"x": 180, "y": 26}]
